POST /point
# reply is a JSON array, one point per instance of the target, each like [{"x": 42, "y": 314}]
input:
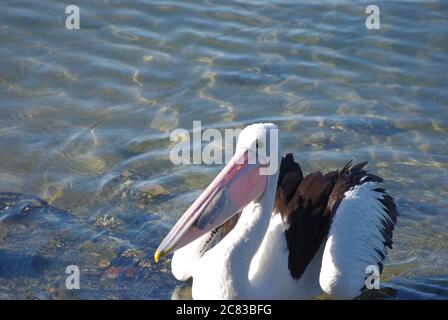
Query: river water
[{"x": 86, "y": 116}]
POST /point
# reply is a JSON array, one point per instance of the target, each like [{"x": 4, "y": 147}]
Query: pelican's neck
[{"x": 245, "y": 239}]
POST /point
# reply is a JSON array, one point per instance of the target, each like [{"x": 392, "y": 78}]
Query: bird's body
[
  {"x": 298, "y": 237},
  {"x": 270, "y": 274}
]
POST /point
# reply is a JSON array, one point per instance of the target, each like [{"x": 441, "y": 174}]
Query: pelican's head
[{"x": 244, "y": 179}]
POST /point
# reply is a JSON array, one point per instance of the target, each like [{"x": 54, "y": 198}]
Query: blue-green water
[{"x": 85, "y": 119}]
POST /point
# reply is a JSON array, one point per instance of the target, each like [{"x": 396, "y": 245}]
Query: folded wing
[{"x": 363, "y": 219}]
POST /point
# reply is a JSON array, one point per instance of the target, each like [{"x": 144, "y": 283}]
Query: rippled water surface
[{"x": 85, "y": 119}]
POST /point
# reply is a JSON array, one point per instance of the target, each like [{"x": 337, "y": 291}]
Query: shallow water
[{"x": 86, "y": 114}]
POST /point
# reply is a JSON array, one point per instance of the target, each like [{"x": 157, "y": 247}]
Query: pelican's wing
[
  {"x": 302, "y": 203},
  {"x": 363, "y": 218}
]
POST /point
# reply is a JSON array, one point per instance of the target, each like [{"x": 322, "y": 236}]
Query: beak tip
[{"x": 157, "y": 256}]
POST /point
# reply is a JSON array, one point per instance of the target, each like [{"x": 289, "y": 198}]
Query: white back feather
[{"x": 355, "y": 233}]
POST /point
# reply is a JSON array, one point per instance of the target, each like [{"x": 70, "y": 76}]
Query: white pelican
[{"x": 281, "y": 236}]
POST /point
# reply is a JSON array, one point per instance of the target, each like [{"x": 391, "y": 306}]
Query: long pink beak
[{"x": 239, "y": 183}]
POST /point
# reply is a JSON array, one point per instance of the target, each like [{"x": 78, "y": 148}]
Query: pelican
[{"x": 281, "y": 235}]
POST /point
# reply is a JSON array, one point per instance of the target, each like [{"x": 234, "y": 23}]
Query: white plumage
[
  {"x": 354, "y": 235},
  {"x": 184, "y": 259},
  {"x": 253, "y": 261},
  {"x": 269, "y": 273}
]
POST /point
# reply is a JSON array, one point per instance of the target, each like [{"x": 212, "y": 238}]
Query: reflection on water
[{"x": 85, "y": 175}]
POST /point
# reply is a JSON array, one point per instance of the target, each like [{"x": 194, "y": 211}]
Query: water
[{"x": 86, "y": 114}]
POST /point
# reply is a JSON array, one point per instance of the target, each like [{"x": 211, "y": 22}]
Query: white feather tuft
[{"x": 355, "y": 233}]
